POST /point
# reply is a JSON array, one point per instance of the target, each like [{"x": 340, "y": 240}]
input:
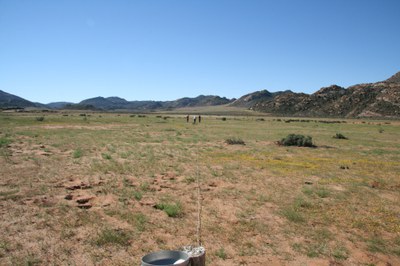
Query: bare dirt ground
[{"x": 109, "y": 189}]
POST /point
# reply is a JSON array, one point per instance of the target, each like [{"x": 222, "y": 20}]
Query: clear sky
[{"x": 71, "y": 50}]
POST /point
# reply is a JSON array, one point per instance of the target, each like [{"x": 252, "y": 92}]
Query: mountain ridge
[{"x": 380, "y": 99}]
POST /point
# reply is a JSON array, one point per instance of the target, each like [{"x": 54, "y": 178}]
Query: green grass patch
[
  {"x": 377, "y": 245},
  {"x": 4, "y": 142},
  {"x": 221, "y": 253},
  {"x": 322, "y": 192},
  {"x": 109, "y": 236},
  {"x": 293, "y": 214},
  {"x": 78, "y": 153},
  {"x": 171, "y": 209},
  {"x": 106, "y": 156},
  {"x": 340, "y": 252}
]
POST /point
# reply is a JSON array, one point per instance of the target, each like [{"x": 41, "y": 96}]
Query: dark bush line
[{"x": 308, "y": 121}]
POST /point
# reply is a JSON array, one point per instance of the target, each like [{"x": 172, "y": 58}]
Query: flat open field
[{"x": 106, "y": 189}]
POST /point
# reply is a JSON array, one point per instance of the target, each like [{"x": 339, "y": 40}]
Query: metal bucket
[{"x": 166, "y": 258}]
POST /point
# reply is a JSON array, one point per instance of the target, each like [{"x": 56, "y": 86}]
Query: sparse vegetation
[
  {"x": 96, "y": 185},
  {"x": 40, "y": 118}
]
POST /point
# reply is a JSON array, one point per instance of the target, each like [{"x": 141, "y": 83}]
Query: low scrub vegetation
[
  {"x": 339, "y": 136},
  {"x": 297, "y": 140},
  {"x": 235, "y": 141},
  {"x": 77, "y": 153},
  {"x": 4, "y": 142}
]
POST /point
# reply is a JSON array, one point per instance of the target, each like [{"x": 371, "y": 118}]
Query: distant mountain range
[{"x": 380, "y": 99}]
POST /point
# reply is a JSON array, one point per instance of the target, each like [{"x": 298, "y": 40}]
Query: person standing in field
[
  {"x": 194, "y": 119},
  {"x": 187, "y": 119},
  {"x": 199, "y": 119}
]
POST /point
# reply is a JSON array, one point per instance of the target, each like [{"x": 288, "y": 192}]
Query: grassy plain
[{"x": 105, "y": 189}]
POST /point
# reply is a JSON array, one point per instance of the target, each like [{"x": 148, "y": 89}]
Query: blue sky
[{"x": 167, "y": 49}]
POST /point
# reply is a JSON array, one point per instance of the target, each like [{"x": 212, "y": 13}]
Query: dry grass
[{"x": 107, "y": 189}]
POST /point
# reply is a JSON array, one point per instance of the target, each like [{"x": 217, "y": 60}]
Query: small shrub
[
  {"x": 220, "y": 253},
  {"x": 293, "y": 215},
  {"x": 223, "y": 118},
  {"x": 302, "y": 203},
  {"x": 137, "y": 195},
  {"x": 145, "y": 186},
  {"x": 307, "y": 190},
  {"x": 322, "y": 192},
  {"x": 235, "y": 141},
  {"x": 376, "y": 244},
  {"x": 106, "y": 156},
  {"x": 296, "y": 140},
  {"x": 190, "y": 179},
  {"x": 4, "y": 142},
  {"x": 112, "y": 236},
  {"x": 340, "y": 253},
  {"x": 77, "y": 153},
  {"x": 171, "y": 209},
  {"x": 339, "y": 136},
  {"x": 140, "y": 221},
  {"x": 40, "y": 118}
]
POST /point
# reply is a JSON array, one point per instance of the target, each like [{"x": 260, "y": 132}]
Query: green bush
[
  {"x": 4, "y": 142},
  {"x": 40, "y": 118},
  {"x": 235, "y": 141},
  {"x": 77, "y": 153},
  {"x": 172, "y": 210},
  {"x": 106, "y": 156},
  {"x": 297, "y": 140},
  {"x": 339, "y": 136}
]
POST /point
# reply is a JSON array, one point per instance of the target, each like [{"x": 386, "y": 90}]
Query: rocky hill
[
  {"x": 8, "y": 101},
  {"x": 381, "y": 99},
  {"x": 251, "y": 99}
]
